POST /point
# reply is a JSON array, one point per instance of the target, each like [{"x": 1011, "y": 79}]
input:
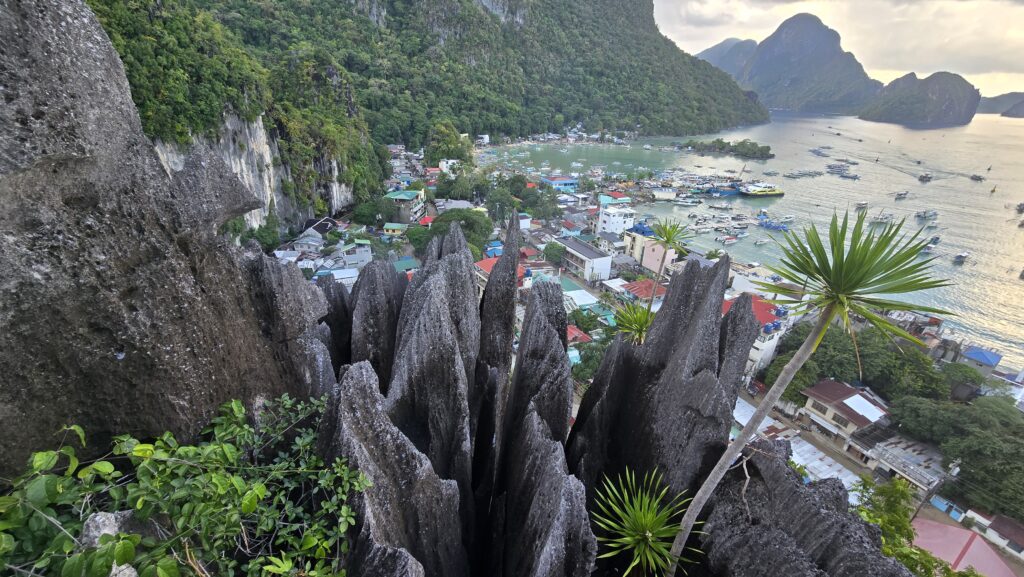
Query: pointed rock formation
[
  {"x": 375, "y": 318},
  {"x": 339, "y": 319},
  {"x": 775, "y": 525},
  {"x": 409, "y": 520}
]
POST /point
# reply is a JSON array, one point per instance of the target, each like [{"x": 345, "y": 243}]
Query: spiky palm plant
[
  {"x": 669, "y": 235},
  {"x": 849, "y": 275},
  {"x": 639, "y": 520},
  {"x": 633, "y": 320}
]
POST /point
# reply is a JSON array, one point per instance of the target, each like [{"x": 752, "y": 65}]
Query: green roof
[
  {"x": 362, "y": 241},
  {"x": 568, "y": 285},
  {"x": 406, "y": 264},
  {"x": 403, "y": 195},
  {"x": 396, "y": 225}
]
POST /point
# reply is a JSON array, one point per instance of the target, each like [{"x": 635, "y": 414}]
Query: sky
[{"x": 981, "y": 40}]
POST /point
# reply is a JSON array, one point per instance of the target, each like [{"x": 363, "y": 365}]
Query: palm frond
[
  {"x": 672, "y": 235},
  {"x": 633, "y": 321}
]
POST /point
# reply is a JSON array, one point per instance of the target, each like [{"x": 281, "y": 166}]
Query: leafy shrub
[{"x": 245, "y": 500}]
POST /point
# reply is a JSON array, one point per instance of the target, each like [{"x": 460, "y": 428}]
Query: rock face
[
  {"x": 1015, "y": 111},
  {"x": 802, "y": 67},
  {"x": 779, "y": 526},
  {"x": 120, "y": 310},
  {"x": 999, "y": 104},
  {"x": 942, "y": 99},
  {"x": 729, "y": 55}
]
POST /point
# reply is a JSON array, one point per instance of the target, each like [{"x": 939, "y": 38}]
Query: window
[
  {"x": 840, "y": 420},
  {"x": 1014, "y": 546},
  {"x": 819, "y": 407}
]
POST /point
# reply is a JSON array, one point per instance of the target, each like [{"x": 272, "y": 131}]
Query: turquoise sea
[{"x": 987, "y": 296}]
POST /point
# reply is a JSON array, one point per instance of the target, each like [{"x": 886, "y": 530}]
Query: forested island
[{"x": 745, "y": 148}]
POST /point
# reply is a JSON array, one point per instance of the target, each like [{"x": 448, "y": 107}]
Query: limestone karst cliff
[{"x": 120, "y": 308}]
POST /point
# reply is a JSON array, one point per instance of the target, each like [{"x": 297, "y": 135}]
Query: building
[
  {"x": 613, "y": 199},
  {"x": 448, "y": 166},
  {"x": 524, "y": 221},
  {"x": 345, "y": 276},
  {"x": 354, "y": 255},
  {"x": 406, "y": 264},
  {"x": 395, "y": 229},
  {"x": 1008, "y": 534},
  {"x": 410, "y": 204},
  {"x": 576, "y": 336},
  {"x": 578, "y": 299},
  {"x": 836, "y": 410},
  {"x": 615, "y": 219},
  {"x": 641, "y": 290},
  {"x": 309, "y": 241},
  {"x": 959, "y": 547},
  {"x": 561, "y": 183},
  {"x": 585, "y": 261},
  {"x": 880, "y": 448},
  {"x": 610, "y": 243},
  {"x": 444, "y": 205},
  {"x": 984, "y": 360},
  {"x": 641, "y": 246},
  {"x": 773, "y": 324},
  {"x": 569, "y": 228}
]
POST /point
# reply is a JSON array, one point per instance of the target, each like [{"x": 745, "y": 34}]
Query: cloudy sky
[{"x": 981, "y": 40}]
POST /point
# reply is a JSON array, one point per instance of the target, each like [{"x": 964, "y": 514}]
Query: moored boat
[
  {"x": 926, "y": 177},
  {"x": 961, "y": 258},
  {"x": 862, "y": 205}
]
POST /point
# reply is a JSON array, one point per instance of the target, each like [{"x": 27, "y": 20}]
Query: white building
[
  {"x": 610, "y": 243},
  {"x": 615, "y": 219},
  {"x": 308, "y": 241},
  {"x": 584, "y": 260},
  {"x": 772, "y": 327}
]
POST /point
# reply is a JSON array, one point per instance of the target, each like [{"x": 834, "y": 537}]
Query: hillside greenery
[
  {"x": 243, "y": 500},
  {"x": 942, "y": 99},
  {"x": 745, "y": 148}
]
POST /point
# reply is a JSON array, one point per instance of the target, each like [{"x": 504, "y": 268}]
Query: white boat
[
  {"x": 721, "y": 206},
  {"x": 882, "y": 218},
  {"x": 727, "y": 240},
  {"x": 648, "y": 147},
  {"x": 761, "y": 241},
  {"x": 787, "y": 218},
  {"x": 862, "y": 205},
  {"x": 742, "y": 234},
  {"x": 902, "y": 194},
  {"x": 927, "y": 214},
  {"x": 961, "y": 258}
]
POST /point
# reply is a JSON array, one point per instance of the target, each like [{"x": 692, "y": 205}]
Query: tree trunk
[
  {"x": 657, "y": 281},
  {"x": 734, "y": 448}
]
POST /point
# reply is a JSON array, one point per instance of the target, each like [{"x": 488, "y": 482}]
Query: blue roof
[
  {"x": 642, "y": 228},
  {"x": 983, "y": 356}
]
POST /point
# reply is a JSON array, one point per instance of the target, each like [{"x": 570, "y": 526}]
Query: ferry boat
[
  {"x": 926, "y": 177},
  {"x": 761, "y": 190},
  {"x": 961, "y": 258}
]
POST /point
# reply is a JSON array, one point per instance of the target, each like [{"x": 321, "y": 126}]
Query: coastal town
[{"x": 600, "y": 247}]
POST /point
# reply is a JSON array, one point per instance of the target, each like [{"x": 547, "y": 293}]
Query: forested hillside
[{"x": 510, "y": 67}]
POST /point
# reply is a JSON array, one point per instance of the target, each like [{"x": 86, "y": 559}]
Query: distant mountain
[
  {"x": 942, "y": 99},
  {"x": 730, "y": 55},
  {"x": 802, "y": 67},
  {"x": 998, "y": 104},
  {"x": 1015, "y": 111}
]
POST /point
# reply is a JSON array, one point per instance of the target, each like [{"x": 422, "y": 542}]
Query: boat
[
  {"x": 648, "y": 147},
  {"x": 926, "y": 177},
  {"x": 761, "y": 241},
  {"x": 935, "y": 240},
  {"x": 926, "y": 214},
  {"x": 849, "y": 176},
  {"x": 927, "y": 249},
  {"x": 727, "y": 240},
  {"x": 961, "y": 258},
  {"x": 902, "y": 194},
  {"x": 787, "y": 218},
  {"x": 1021, "y": 277},
  {"x": 882, "y": 218},
  {"x": 720, "y": 206},
  {"x": 770, "y": 173},
  {"x": 742, "y": 234},
  {"x": 977, "y": 178},
  {"x": 1020, "y": 208},
  {"x": 862, "y": 205},
  {"x": 932, "y": 224},
  {"x": 761, "y": 190}
]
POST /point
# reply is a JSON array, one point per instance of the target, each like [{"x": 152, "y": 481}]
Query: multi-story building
[
  {"x": 410, "y": 204},
  {"x": 645, "y": 250},
  {"x": 584, "y": 260},
  {"x": 615, "y": 219},
  {"x": 773, "y": 323},
  {"x": 836, "y": 411}
]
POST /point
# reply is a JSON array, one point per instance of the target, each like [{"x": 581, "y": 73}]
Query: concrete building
[
  {"x": 836, "y": 411},
  {"x": 410, "y": 205},
  {"x": 610, "y": 243},
  {"x": 565, "y": 184},
  {"x": 646, "y": 250},
  {"x": 984, "y": 360},
  {"x": 585, "y": 261},
  {"x": 615, "y": 219},
  {"x": 773, "y": 324}
]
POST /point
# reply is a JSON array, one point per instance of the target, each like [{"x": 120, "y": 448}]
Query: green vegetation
[
  {"x": 849, "y": 274},
  {"x": 638, "y": 520},
  {"x": 942, "y": 99},
  {"x": 268, "y": 234},
  {"x": 986, "y": 436},
  {"x": 744, "y": 148},
  {"x": 243, "y": 501},
  {"x": 554, "y": 252},
  {"x": 586, "y": 321},
  {"x": 445, "y": 142},
  {"x": 476, "y": 227},
  {"x": 889, "y": 505},
  {"x": 633, "y": 320},
  {"x": 591, "y": 355},
  {"x": 375, "y": 212}
]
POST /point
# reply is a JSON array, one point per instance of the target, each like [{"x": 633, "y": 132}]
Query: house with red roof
[
  {"x": 570, "y": 228},
  {"x": 483, "y": 269},
  {"x": 641, "y": 290},
  {"x": 575, "y": 335},
  {"x": 837, "y": 410},
  {"x": 529, "y": 253},
  {"x": 772, "y": 323},
  {"x": 961, "y": 548}
]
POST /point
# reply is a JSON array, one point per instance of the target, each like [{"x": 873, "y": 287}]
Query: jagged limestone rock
[
  {"x": 779, "y": 526},
  {"x": 667, "y": 405},
  {"x": 375, "y": 318},
  {"x": 409, "y": 520},
  {"x": 120, "y": 308},
  {"x": 339, "y": 319}
]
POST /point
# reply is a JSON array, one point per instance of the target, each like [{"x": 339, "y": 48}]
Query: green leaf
[
  {"x": 249, "y": 501},
  {"x": 74, "y": 566},
  {"x": 69, "y": 451},
  {"x": 6, "y": 502},
  {"x": 40, "y": 490},
  {"x": 167, "y": 567},
  {"x": 124, "y": 552},
  {"x": 44, "y": 460},
  {"x": 77, "y": 431},
  {"x": 308, "y": 541},
  {"x": 143, "y": 450},
  {"x": 6, "y": 544}
]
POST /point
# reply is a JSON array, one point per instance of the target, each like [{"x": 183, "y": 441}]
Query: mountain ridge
[
  {"x": 999, "y": 104},
  {"x": 939, "y": 100}
]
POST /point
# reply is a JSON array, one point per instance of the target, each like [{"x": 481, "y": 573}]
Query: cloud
[{"x": 978, "y": 39}]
